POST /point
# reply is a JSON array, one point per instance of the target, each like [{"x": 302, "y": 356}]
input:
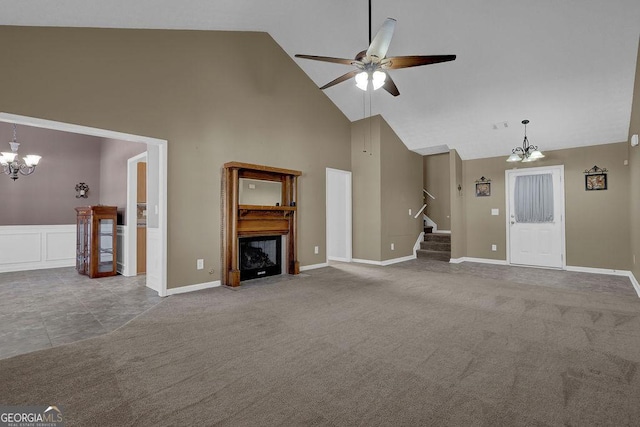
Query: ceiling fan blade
[
  {"x": 380, "y": 43},
  {"x": 341, "y": 79},
  {"x": 390, "y": 86},
  {"x": 329, "y": 59},
  {"x": 414, "y": 61}
]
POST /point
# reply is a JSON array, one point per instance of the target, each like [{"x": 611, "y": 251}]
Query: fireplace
[
  {"x": 243, "y": 221},
  {"x": 260, "y": 257}
]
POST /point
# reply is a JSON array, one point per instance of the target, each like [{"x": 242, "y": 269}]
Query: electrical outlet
[
  {"x": 393, "y": 246},
  {"x": 494, "y": 248},
  {"x": 409, "y": 212},
  {"x": 316, "y": 250},
  {"x": 200, "y": 264}
]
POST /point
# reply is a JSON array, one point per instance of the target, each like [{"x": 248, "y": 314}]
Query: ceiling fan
[{"x": 372, "y": 64}]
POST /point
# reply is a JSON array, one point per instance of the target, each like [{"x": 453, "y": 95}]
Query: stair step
[
  {"x": 428, "y": 229},
  {"x": 434, "y": 255},
  {"x": 437, "y": 237},
  {"x": 434, "y": 245}
]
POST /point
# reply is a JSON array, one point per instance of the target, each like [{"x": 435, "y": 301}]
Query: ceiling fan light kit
[
  {"x": 377, "y": 79},
  {"x": 526, "y": 153},
  {"x": 372, "y": 64}
]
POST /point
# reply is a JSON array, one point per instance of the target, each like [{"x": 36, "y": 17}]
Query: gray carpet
[{"x": 352, "y": 345}]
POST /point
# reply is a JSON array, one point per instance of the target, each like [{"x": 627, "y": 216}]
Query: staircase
[{"x": 436, "y": 246}]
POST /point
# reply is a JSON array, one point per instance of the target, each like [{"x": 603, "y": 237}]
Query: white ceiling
[{"x": 566, "y": 65}]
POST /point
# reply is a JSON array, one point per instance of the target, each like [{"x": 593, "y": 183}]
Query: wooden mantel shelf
[
  {"x": 261, "y": 168},
  {"x": 265, "y": 208},
  {"x": 252, "y": 220}
]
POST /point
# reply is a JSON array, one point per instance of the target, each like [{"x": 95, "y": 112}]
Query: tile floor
[{"x": 46, "y": 308}]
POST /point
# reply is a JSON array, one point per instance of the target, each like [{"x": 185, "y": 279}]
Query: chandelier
[
  {"x": 526, "y": 153},
  {"x": 11, "y": 164}
]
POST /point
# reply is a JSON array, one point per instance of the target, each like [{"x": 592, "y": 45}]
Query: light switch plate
[
  {"x": 495, "y": 211},
  {"x": 200, "y": 264}
]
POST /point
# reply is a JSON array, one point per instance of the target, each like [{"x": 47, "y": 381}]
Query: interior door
[
  {"x": 338, "y": 215},
  {"x": 535, "y": 221}
]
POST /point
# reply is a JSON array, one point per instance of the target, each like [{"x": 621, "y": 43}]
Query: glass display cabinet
[{"x": 96, "y": 241}]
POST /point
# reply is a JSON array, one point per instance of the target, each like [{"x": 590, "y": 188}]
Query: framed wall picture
[
  {"x": 595, "y": 182},
  {"x": 483, "y": 187},
  {"x": 595, "y": 179}
]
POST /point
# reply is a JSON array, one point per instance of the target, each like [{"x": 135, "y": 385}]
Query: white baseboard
[
  {"x": 193, "y": 288},
  {"x": 597, "y": 270},
  {"x": 635, "y": 283},
  {"x": 314, "y": 266},
  {"x": 417, "y": 245},
  {"x": 478, "y": 260},
  {"x": 385, "y": 262},
  {"x": 397, "y": 260}
]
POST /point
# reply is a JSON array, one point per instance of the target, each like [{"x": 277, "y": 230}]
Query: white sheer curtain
[{"x": 534, "y": 198}]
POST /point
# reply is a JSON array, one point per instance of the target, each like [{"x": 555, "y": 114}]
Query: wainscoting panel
[
  {"x": 154, "y": 258},
  {"x": 60, "y": 245},
  {"x": 122, "y": 245},
  {"x": 34, "y": 247}
]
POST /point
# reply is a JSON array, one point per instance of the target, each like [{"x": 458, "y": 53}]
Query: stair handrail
[
  {"x": 428, "y": 194},
  {"x": 421, "y": 210}
]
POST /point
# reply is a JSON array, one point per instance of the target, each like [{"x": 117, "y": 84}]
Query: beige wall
[
  {"x": 597, "y": 222},
  {"x": 366, "y": 184},
  {"x": 458, "y": 209},
  {"x": 215, "y": 96},
  {"x": 401, "y": 191},
  {"x": 387, "y": 182},
  {"x": 437, "y": 182},
  {"x": 634, "y": 163}
]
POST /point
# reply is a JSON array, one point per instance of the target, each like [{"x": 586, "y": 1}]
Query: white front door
[{"x": 535, "y": 216}]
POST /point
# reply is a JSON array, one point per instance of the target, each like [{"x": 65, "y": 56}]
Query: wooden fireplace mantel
[{"x": 250, "y": 220}]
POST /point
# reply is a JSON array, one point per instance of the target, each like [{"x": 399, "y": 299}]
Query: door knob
[{"x": 513, "y": 222}]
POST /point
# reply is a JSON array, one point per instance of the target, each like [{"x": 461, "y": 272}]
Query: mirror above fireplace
[{"x": 259, "y": 192}]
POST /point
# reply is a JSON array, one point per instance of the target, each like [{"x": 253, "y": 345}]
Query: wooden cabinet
[
  {"x": 141, "y": 250},
  {"x": 141, "y": 193},
  {"x": 96, "y": 241}
]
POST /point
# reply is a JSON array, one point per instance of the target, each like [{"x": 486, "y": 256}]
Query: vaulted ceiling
[{"x": 568, "y": 66}]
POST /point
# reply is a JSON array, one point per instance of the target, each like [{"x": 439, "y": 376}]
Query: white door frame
[
  {"x": 103, "y": 133},
  {"x": 347, "y": 213},
  {"x": 131, "y": 242},
  {"x": 542, "y": 169}
]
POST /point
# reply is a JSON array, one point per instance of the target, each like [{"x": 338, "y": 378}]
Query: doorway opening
[{"x": 156, "y": 189}]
